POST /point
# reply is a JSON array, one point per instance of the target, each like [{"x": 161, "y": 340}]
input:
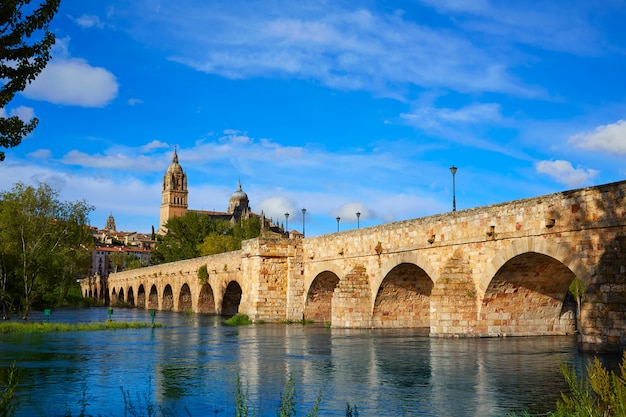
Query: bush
[
  {"x": 238, "y": 320},
  {"x": 600, "y": 394}
]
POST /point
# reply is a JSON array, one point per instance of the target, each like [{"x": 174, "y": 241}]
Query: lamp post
[
  {"x": 453, "y": 171},
  {"x": 358, "y": 216},
  {"x": 338, "y": 218},
  {"x": 287, "y": 223},
  {"x": 303, "y": 215}
]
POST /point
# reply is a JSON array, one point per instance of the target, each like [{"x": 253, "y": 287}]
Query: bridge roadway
[{"x": 500, "y": 270}]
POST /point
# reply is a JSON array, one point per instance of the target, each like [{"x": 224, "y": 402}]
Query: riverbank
[{"x": 9, "y": 327}]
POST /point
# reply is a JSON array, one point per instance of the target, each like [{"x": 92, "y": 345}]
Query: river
[{"x": 190, "y": 366}]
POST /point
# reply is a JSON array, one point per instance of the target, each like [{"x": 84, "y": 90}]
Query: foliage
[
  {"x": 577, "y": 289},
  {"x": 600, "y": 394},
  {"x": 287, "y": 402},
  {"x": 195, "y": 234},
  {"x": 44, "y": 243},
  {"x": 25, "y": 43},
  {"x": 133, "y": 262},
  {"x": 241, "y": 399},
  {"x": 203, "y": 274},
  {"x": 238, "y": 320},
  {"x": 8, "y": 403},
  {"x": 351, "y": 412}
]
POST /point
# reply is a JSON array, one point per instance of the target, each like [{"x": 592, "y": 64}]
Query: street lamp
[
  {"x": 303, "y": 214},
  {"x": 358, "y": 216},
  {"x": 338, "y": 218},
  {"x": 287, "y": 223},
  {"x": 453, "y": 171}
]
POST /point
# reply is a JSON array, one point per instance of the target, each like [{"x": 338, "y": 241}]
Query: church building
[{"x": 175, "y": 194}]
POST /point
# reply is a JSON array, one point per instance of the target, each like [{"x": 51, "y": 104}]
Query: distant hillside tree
[{"x": 25, "y": 43}]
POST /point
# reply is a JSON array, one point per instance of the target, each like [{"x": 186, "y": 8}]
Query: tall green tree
[
  {"x": 25, "y": 43},
  {"x": 42, "y": 228}
]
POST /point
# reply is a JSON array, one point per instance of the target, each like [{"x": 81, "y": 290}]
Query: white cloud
[
  {"x": 343, "y": 48},
  {"x": 155, "y": 144},
  {"x": 431, "y": 117},
  {"x": 73, "y": 82},
  {"x": 134, "y": 101},
  {"x": 41, "y": 154},
  {"x": 24, "y": 113},
  {"x": 276, "y": 207},
  {"x": 564, "y": 173},
  {"x": 113, "y": 161},
  {"x": 609, "y": 138},
  {"x": 545, "y": 25},
  {"x": 88, "y": 21},
  {"x": 347, "y": 212}
]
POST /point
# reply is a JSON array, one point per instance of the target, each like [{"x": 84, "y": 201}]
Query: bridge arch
[
  {"x": 403, "y": 298},
  {"x": 206, "y": 299},
  {"x": 120, "y": 296},
  {"x": 319, "y": 296},
  {"x": 153, "y": 298},
  {"x": 231, "y": 299},
  {"x": 130, "y": 297},
  {"x": 113, "y": 296},
  {"x": 393, "y": 261},
  {"x": 141, "y": 296},
  {"x": 527, "y": 293},
  {"x": 184, "y": 298},
  {"x": 167, "y": 303},
  {"x": 561, "y": 252}
]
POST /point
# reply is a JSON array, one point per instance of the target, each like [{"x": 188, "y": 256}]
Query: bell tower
[{"x": 174, "y": 193}]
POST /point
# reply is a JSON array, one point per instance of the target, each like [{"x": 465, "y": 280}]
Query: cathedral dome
[
  {"x": 175, "y": 167},
  {"x": 239, "y": 194},
  {"x": 238, "y": 201}
]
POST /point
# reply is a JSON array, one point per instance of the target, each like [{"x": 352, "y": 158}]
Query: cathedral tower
[{"x": 174, "y": 193}]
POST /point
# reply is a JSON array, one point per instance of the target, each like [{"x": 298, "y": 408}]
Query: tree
[
  {"x": 195, "y": 234},
  {"x": 118, "y": 260},
  {"x": 25, "y": 43},
  {"x": 42, "y": 229},
  {"x": 184, "y": 234},
  {"x": 577, "y": 289}
]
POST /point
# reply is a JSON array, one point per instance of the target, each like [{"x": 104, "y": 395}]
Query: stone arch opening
[
  {"x": 527, "y": 296},
  {"x": 141, "y": 297},
  {"x": 318, "y": 304},
  {"x": 153, "y": 298},
  {"x": 168, "y": 298},
  {"x": 403, "y": 298},
  {"x": 120, "y": 296},
  {"x": 114, "y": 296},
  {"x": 232, "y": 298},
  {"x": 90, "y": 294},
  {"x": 206, "y": 300},
  {"x": 184, "y": 298},
  {"x": 131, "y": 297}
]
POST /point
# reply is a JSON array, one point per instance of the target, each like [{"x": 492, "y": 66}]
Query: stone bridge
[{"x": 501, "y": 270}]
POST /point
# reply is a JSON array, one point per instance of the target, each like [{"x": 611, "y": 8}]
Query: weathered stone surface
[{"x": 490, "y": 271}]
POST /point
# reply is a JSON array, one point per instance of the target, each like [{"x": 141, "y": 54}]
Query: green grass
[{"x": 28, "y": 327}]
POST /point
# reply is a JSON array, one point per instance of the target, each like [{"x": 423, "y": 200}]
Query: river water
[{"x": 190, "y": 366}]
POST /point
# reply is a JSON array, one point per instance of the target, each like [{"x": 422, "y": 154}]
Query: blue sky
[{"x": 335, "y": 106}]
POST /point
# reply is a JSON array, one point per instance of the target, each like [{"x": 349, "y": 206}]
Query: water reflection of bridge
[{"x": 490, "y": 271}]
